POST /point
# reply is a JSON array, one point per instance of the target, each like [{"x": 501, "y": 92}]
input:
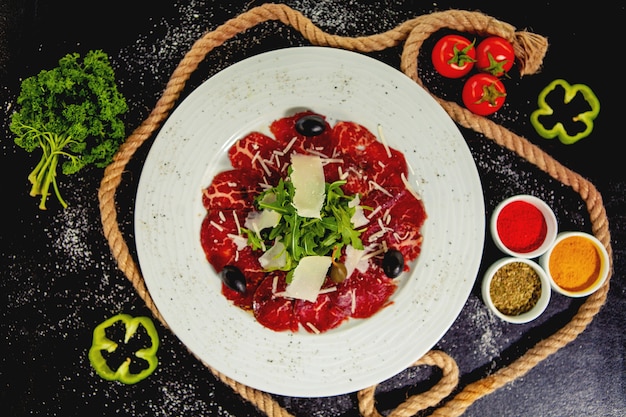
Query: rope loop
[{"x": 417, "y": 402}]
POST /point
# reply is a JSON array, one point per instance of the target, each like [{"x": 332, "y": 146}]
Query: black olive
[
  {"x": 310, "y": 125},
  {"x": 393, "y": 263},
  {"x": 233, "y": 278}
]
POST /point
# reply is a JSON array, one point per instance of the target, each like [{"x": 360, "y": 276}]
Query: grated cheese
[
  {"x": 382, "y": 226},
  {"x": 342, "y": 175},
  {"x": 409, "y": 188},
  {"x": 277, "y": 160},
  {"x": 237, "y": 222},
  {"x": 327, "y": 161},
  {"x": 257, "y": 158},
  {"x": 317, "y": 153},
  {"x": 387, "y": 216},
  {"x": 289, "y": 145},
  {"x": 374, "y": 212},
  {"x": 312, "y": 327},
  {"x": 353, "y": 301},
  {"x": 369, "y": 255},
  {"x": 380, "y": 188},
  {"x": 401, "y": 238},
  {"x": 328, "y": 290},
  {"x": 217, "y": 226},
  {"x": 384, "y": 141},
  {"x": 376, "y": 236}
]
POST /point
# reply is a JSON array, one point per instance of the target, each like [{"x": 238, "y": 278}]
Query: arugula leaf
[{"x": 307, "y": 236}]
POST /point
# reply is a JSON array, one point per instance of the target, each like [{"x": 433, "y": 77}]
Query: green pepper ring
[
  {"x": 101, "y": 342},
  {"x": 558, "y": 130}
]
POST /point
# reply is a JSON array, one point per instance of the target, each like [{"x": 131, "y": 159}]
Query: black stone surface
[{"x": 58, "y": 278}]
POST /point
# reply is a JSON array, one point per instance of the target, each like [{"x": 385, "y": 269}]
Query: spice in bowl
[
  {"x": 523, "y": 226},
  {"x": 577, "y": 264},
  {"x": 516, "y": 289}
]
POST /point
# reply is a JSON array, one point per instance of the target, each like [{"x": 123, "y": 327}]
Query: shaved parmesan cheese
[
  {"x": 275, "y": 257},
  {"x": 259, "y": 220},
  {"x": 358, "y": 219},
  {"x": 308, "y": 278},
  {"x": 269, "y": 198},
  {"x": 240, "y": 241},
  {"x": 355, "y": 260},
  {"x": 309, "y": 185}
]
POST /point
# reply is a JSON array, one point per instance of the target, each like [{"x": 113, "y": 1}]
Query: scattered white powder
[
  {"x": 476, "y": 338},
  {"x": 180, "y": 396},
  {"x": 73, "y": 226},
  {"x": 489, "y": 345},
  {"x": 347, "y": 16}
]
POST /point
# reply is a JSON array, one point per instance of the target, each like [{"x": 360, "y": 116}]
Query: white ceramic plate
[{"x": 191, "y": 148}]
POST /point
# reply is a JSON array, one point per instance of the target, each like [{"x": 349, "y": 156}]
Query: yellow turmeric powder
[{"x": 575, "y": 263}]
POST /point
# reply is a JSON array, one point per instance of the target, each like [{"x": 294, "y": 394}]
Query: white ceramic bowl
[
  {"x": 537, "y": 249},
  {"x": 539, "y": 306},
  {"x": 588, "y": 277}
]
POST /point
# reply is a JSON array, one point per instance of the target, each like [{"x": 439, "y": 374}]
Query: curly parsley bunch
[{"x": 72, "y": 114}]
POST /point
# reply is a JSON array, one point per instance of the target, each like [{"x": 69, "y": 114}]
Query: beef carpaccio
[{"x": 392, "y": 216}]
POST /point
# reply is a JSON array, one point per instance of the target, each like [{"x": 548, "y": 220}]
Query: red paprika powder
[{"x": 521, "y": 227}]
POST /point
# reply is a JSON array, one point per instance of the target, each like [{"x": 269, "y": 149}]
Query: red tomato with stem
[
  {"x": 453, "y": 56},
  {"x": 495, "y": 55},
  {"x": 483, "y": 94}
]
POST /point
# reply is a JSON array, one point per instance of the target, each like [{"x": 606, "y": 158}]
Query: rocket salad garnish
[{"x": 301, "y": 236}]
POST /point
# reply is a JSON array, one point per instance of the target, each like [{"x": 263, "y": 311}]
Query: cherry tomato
[
  {"x": 453, "y": 56},
  {"x": 495, "y": 55},
  {"x": 483, "y": 94}
]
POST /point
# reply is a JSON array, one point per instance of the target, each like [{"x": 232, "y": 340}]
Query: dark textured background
[{"x": 58, "y": 279}]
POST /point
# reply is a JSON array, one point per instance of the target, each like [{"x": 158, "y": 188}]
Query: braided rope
[
  {"x": 415, "y": 403},
  {"x": 530, "y": 49}
]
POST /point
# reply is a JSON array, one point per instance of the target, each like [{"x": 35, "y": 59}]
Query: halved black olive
[
  {"x": 233, "y": 278},
  {"x": 393, "y": 263},
  {"x": 310, "y": 125}
]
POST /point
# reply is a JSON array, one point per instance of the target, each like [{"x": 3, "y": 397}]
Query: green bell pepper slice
[
  {"x": 101, "y": 343},
  {"x": 558, "y": 130}
]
